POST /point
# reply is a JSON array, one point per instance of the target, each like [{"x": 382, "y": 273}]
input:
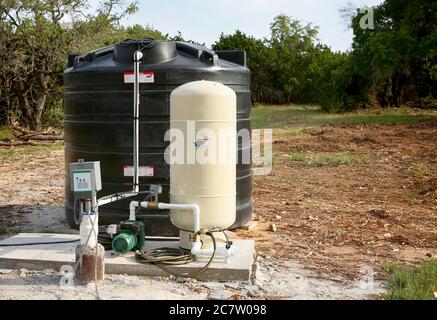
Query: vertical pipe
[
  {"x": 136, "y": 139},
  {"x": 137, "y": 58}
]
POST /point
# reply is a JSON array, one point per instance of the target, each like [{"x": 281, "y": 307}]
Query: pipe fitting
[
  {"x": 223, "y": 251},
  {"x": 153, "y": 205}
]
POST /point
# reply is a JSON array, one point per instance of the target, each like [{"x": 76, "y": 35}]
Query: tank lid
[{"x": 154, "y": 51}]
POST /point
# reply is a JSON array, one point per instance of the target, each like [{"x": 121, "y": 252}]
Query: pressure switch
[{"x": 85, "y": 179}]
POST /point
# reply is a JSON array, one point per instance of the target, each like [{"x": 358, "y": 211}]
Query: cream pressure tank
[{"x": 202, "y": 156}]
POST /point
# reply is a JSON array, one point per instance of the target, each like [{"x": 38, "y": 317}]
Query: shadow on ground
[{"x": 32, "y": 218}]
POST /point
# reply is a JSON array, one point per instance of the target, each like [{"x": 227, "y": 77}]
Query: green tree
[
  {"x": 9, "y": 68},
  {"x": 397, "y": 59},
  {"x": 257, "y": 61},
  {"x": 286, "y": 66},
  {"x": 293, "y": 47},
  {"x": 40, "y": 43}
]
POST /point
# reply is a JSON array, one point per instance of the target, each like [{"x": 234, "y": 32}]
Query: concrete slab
[{"x": 53, "y": 256}]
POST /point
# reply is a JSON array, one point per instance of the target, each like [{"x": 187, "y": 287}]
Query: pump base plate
[{"x": 53, "y": 256}]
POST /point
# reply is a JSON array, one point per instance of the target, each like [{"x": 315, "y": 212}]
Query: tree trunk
[
  {"x": 10, "y": 116},
  {"x": 33, "y": 113},
  {"x": 26, "y": 109},
  {"x": 43, "y": 81}
]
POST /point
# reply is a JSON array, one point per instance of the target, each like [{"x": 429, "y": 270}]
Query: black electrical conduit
[{"x": 36, "y": 243}]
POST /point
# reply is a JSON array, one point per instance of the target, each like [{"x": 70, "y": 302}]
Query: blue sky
[{"x": 203, "y": 20}]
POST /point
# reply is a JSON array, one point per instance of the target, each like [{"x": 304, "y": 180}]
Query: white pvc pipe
[
  {"x": 136, "y": 139},
  {"x": 115, "y": 197},
  {"x": 132, "y": 206},
  {"x": 223, "y": 251},
  {"x": 192, "y": 207},
  {"x": 137, "y": 58}
]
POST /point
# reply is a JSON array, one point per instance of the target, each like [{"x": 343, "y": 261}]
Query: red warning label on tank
[
  {"x": 143, "y": 77},
  {"x": 143, "y": 171}
]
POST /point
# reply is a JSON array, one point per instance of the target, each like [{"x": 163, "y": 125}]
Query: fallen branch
[
  {"x": 20, "y": 129},
  {"x": 26, "y": 135},
  {"x": 17, "y": 143},
  {"x": 47, "y": 137},
  {"x": 25, "y": 131}
]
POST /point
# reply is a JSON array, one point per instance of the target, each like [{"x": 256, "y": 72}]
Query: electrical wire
[
  {"x": 75, "y": 216},
  {"x": 119, "y": 196},
  {"x": 149, "y": 44},
  {"x": 96, "y": 255},
  {"x": 79, "y": 262},
  {"x": 172, "y": 256},
  {"x": 36, "y": 243},
  {"x": 80, "y": 257}
]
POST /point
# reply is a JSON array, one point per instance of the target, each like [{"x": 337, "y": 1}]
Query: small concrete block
[
  {"x": 249, "y": 226},
  {"x": 53, "y": 256}
]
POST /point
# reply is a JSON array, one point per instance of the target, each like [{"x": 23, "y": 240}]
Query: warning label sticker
[
  {"x": 143, "y": 171},
  {"x": 143, "y": 77}
]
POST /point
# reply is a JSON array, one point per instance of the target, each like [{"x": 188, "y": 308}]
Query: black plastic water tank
[{"x": 99, "y": 109}]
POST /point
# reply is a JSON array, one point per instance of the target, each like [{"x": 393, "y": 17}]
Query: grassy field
[
  {"x": 5, "y": 133},
  {"x": 19, "y": 151},
  {"x": 333, "y": 159},
  {"x": 413, "y": 283},
  {"x": 295, "y": 116}
]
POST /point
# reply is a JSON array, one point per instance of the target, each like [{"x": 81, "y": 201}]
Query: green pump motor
[{"x": 130, "y": 236}]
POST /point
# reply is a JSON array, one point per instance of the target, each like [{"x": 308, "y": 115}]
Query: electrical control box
[{"x": 85, "y": 179}]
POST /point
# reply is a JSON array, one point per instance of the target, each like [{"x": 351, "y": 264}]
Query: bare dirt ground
[
  {"x": 275, "y": 279},
  {"x": 340, "y": 219},
  {"x": 334, "y": 221}
]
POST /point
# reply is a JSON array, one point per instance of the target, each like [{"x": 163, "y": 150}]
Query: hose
[
  {"x": 172, "y": 256},
  {"x": 105, "y": 240},
  {"x": 36, "y": 243}
]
